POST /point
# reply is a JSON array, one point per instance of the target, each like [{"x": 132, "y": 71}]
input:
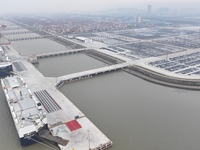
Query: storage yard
[
  {"x": 149, "y": 42},
  {"x": 143, "y": 50},
  {"x": 144, "y": 34},
  {"x": 112, "y": 39},
  {"x": 182, "y": 41},
  {"x": 188, "y": 64}
]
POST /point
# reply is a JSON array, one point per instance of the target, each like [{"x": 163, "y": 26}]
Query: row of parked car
[{"x": 184, "y": 64}]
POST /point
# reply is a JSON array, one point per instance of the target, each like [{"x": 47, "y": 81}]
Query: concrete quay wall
[
  {"x": 103, "y": 57},
  {"x": 158, "y": 78},
  {"x": 60, "y": 53},
  {"x": 148, "y": 75}
]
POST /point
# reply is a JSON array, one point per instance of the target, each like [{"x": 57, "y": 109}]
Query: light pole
[
  {"x": 89, "y": 138},
  {"x": 56, "y": 78},
  {"x": 19, "y": 49}
]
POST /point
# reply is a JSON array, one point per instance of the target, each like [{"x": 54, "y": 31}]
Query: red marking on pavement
[{"x": 73, "y": 125}]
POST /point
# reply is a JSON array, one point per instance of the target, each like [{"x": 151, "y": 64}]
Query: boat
[
  {"x": 5, "y": 64},
  {"x": 26, "y": 111}
]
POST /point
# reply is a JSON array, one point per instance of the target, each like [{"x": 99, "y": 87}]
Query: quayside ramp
[
  {"x": 46, "y": 134},
  {"x": 47, "y": 101},
  {"x": 19, "y": 66}
]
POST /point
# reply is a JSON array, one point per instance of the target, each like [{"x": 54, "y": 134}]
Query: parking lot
[
  {"x": 188, "y": 64},
  {"x": 147, "y": 49},
  {"x": 185, "y": 41},
  {"x": 144, "y": 33},
  {"x": 108, "y": 38}
]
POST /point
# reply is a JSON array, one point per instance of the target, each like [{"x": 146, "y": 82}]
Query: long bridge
[
  {"x": 21, "y": 31},
  {"x": 60, "y": 53},
  {"x": 87, "y": 74}
]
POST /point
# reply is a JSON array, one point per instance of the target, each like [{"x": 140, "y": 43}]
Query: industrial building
[
  {"x": 149, "y": 9},
  {"x": 83, "y": 39}
]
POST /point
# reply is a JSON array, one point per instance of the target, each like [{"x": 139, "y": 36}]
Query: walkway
[
  {"x": 60, "y": 53},
  {"x": 89, "y": 73}
]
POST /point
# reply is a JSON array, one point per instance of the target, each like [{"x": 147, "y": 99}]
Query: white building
[
  {"x": 137, "y": 19},
  {"x": 83, "y": 39}
]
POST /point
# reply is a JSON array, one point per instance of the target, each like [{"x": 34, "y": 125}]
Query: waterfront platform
[
  {"x": 84, "y": 134},
  {"x": 89, "y": 73},
  {"x": 69, "y": 122},
  {"x": 60, "y": 53}
]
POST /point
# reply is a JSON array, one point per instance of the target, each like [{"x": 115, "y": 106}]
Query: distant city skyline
[{"x": 30, "y": 6}]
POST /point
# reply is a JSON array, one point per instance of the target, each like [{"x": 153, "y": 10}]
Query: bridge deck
[
  {"x": 59, "y": 53},
  {"x": 92, "y": 72}
]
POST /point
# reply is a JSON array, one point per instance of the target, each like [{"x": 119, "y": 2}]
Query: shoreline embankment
[{"x": 147, "y": 74}]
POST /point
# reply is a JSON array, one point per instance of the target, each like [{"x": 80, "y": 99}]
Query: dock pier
[
  {"x": 60, "y": 53},
  {"x": 88, "y": 74},
  {"x": 65, "y": 120},
  {"x": 69, "y": 127},
  {"x": 25, "y": 38},
  {"x": 15, "y": 32}
]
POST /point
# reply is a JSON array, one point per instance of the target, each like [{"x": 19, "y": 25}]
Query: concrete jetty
[
  {"x": 89, "y": 73},
  {"x": 79, "y": 138},
  {"x": 18, "y": 31},
  {"x": 68, "y": 122},
  {"x": 60, "y": 53}
]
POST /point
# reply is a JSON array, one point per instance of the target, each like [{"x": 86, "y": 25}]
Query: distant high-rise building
[
  {"x": 137, "y": 19},
  {"x": 149, "y": 9}
]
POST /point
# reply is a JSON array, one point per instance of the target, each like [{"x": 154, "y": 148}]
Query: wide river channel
[{"x": 133, "y": 113}]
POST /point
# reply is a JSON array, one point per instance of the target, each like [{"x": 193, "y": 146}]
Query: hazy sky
[{"x": 87, "y": 5}]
